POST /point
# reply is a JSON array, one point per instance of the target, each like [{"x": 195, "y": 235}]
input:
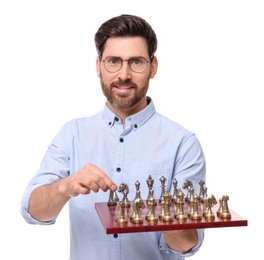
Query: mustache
[{"x": 126, "y": 82}]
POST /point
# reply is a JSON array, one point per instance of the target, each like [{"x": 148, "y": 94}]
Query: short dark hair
[{"x": 125, "y": 25}]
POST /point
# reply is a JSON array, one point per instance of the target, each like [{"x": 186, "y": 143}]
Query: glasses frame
[{"x": 128, "y": 62}]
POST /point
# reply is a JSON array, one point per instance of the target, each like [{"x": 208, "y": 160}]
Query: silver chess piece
[
  {"x": 123, "y": 188},
  {"x": 162, "y": 181},
  {"x": 113, "y": 198}
]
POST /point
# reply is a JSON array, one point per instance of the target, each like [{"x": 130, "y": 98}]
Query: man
[{"x": 126, "y": 142}]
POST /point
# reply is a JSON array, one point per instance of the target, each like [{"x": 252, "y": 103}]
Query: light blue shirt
[{"x": 150, "y": 144}]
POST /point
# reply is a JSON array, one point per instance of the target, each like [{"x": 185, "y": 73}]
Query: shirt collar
[{"x": 137, "y": 120}]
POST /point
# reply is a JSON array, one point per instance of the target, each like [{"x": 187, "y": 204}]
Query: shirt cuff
[{"x": 200, "y": 237}]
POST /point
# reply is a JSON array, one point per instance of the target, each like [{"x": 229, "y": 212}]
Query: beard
[{"x": 124, "y": 101}]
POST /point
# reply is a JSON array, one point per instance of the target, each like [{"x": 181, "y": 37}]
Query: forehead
[{"x": 126, "y": 47}]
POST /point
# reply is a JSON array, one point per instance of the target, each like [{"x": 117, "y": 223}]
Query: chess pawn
[
  {"x": 162, "y": 212},
  {"x": 220, "y": 209},
  {"x": 167, "y": 215},
  {"x": 121, "y": 218},
  {"x": 151, "y": 198},
  {"x": 181, "y": 216},
  {"x": 151, "y": 217},
  {"x": 177, "y": 203},
  {"x": 113, "y": 198},
  {"x": 196, "y": 213},
  {"x": 225, "y": 214},
  {"x": 191, "y": 207}
]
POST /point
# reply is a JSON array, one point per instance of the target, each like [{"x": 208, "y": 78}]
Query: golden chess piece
[
  {"x": 162, "y": 212},
  {"x": 196, "y": 215},
  {"x": 121, "y": 218},
  {"x": 191, "y": 207},
  {"x": 176, "y": 203},
  {"x": 150, "y": 183},
  {"x": 167, "y": 215},
  {"x": 136, "y": 217},
  {"x": 220, "y": 209},
  {"x": 181, "y": 216},
  {"x": 209, "y": 203},
  {"x": 151, "y": 217},
  {"x": 225, "y": 214}
]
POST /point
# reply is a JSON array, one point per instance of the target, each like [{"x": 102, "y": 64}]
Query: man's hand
[{"x": 88, "y": 178}]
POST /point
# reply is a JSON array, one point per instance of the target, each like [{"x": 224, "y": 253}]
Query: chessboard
[
  {"x": 108, "y": 215},
  {"x": 190, "y": 210}
]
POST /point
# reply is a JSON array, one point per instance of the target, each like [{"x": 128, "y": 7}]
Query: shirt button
[
  {"x": 109, "y": 123},
  {"x": 135, "y": 125},
  {"x": 115, "y": 235},
  {"x": 121, "y": 140},
  {"x": 116, "y": 119},
  {"x": 118, "y": 169}
]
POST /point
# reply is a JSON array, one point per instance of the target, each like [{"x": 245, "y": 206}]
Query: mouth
[{"x": 123, "y": 88}]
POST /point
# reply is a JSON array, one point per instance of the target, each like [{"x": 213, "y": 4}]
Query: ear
[
  {"x": 154, "y": 67},
  {"x": 98, "y": 65}
]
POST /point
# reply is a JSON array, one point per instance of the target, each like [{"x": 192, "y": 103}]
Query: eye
[
  {"x": 113, "y": 61},
  {"x": 136, "y": 61}
]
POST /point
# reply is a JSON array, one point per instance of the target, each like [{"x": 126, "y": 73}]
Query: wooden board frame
[{"x": 107, "y": 215}]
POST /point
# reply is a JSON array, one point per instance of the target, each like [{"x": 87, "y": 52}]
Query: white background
[{"x": 210, "y": 79}]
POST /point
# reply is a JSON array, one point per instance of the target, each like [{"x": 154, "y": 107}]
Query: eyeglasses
[{"x": 114, "y": 64}]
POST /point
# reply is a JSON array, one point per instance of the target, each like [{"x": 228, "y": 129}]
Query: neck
[{"x": 124, "y": 113}]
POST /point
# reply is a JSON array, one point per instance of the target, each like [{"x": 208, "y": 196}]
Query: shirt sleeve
[
  {"x": 189, "y": 164},
  {"x": 54, "y": 166}
]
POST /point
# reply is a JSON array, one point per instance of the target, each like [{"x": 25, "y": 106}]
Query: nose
[{"x": 125, "y": 71}]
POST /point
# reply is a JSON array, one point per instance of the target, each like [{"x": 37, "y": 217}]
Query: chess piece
[
  {"x": 225, "y": 214},
  {"x": 210, "y": 201},
  {"x": 151, "y": 217},
  {"x": 181, "y": 216},
  {"x": 220, "y": 209},
  {"x": 150, "y": 183},
  {"x": 203, "y": 191},
  {"x": 167, "y": 215},
  {"x": 123, "y": 188},
  {"x": 162, "y": 181},
  {"x": 136, "y": 217},
  {"x": 121, "y": 218},
  {"x": 174, "y": 196},
  {"x": 137, "y": 185},
  {"x": 162, "y": 212},
  {"x": 187, "y": 185},
  {"x": 176, "y": 202},
  {"x": 196, "y": 215},
  {"x": 191, "y": 207},
  {"x": 113, "y": 198}
]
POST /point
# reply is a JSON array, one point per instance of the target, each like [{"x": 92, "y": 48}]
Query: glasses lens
[
  {"x": 138, "y": 64},
  {"x": 113, "y": 64}
]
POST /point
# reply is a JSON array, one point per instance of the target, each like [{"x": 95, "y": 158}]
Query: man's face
[{"x": 126, "y": 89}]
